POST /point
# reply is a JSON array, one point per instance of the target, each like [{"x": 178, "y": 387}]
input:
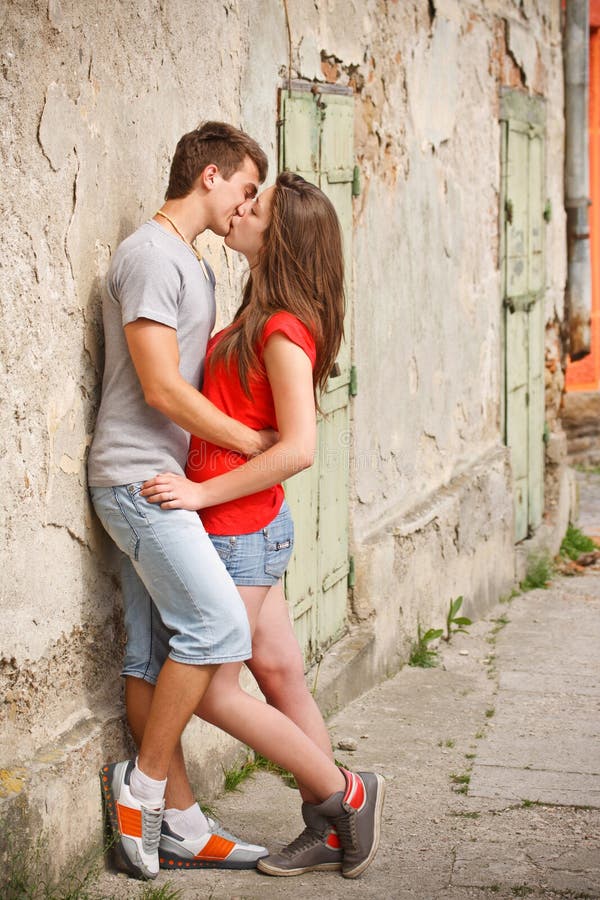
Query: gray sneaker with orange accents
[
  {"x": 132, "y": 829},
  {"x": 217, "y": 849},
  {"x": 316, "y": 849},
  {"x": 356, "y": 815}
]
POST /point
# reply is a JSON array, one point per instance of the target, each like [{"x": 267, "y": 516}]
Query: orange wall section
[{"x": 584, "y": 375}]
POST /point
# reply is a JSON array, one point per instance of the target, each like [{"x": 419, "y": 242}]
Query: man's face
[{"x": 228, "y": 197}]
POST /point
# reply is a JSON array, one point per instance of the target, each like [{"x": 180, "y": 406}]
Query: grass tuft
[
  {"x": 575, "y": 542},
  {"x": 539, "y": 573},
  {"x": 164, "y": 892},
  {"x": 422, "y": 655}
]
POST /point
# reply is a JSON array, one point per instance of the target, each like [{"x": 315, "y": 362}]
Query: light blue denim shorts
[
  {"x": 178, "y": 597},
  {"x": 261, "y": 557}
]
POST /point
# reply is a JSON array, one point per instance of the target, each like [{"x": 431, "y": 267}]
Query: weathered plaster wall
[
  {"x": 93, "y": 99},
  {"x": 427, "y": 418}
]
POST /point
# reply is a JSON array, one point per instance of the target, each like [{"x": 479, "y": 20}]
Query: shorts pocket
[
  {"x": 279, "y": 544},
  {"x": 223, "y": 545}
]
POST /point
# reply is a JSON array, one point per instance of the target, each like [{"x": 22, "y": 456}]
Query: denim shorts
[
  {"x": 178, "y": 597},
  {"x": 261, "y": 557}
]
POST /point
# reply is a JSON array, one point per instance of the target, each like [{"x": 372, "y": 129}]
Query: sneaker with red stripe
[
  {"x": 133, "y": 829},
  {"x": 316, "y": 849},
  {"x": 356, "y": 815},
  {"x": 217, "y": 849}
]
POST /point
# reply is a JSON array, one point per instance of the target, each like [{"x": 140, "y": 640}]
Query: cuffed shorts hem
[
  {"x": 148, "y": 677},
  {"x": 266, "y": 581},
  {"x": 212, "y": 661}
]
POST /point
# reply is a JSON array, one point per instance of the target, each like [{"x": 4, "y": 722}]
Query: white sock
[
  {"x": 147, "y": 790},
  {"x": 190, "y": 823}
]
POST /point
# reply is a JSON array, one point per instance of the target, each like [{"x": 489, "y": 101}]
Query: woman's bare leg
[{"x": 263, "y": 727}]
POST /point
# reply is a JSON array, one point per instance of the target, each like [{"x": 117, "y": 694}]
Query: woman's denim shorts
[{"x": 261, "y": 557}]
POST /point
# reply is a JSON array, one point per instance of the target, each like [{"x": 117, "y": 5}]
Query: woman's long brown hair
[{"x": 300, "y": 270}]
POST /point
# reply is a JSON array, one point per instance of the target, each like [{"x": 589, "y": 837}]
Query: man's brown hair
[{"x": 215, "y": 143}]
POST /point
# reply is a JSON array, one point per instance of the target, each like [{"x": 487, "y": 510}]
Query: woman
[{"x": 265, "y": 369}]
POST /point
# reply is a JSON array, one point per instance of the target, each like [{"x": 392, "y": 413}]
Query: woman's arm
[{"x": 290, "y": 375}]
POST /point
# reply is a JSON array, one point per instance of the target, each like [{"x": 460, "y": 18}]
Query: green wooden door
[
  {"x": 317, "y": 142},
  {"x": 523, "y": 269}
]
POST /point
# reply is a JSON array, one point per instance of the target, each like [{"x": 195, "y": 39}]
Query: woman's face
[{"x": 247, "y": 230}]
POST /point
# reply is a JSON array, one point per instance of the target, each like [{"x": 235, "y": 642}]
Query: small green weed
[
  {"x": 24, "y": 875},
  {"x": 460, "y": 779},
  {"x": 508, "y": 598},
  {"x": 454, "y": 622},
  {"x": 462, "y": 782},
  {"x": 164, "y": 892},
  {"x": 232, "y": 778},
  {"x": 500, "y": 623},
  {"x": 422, "y": 655},
  {"x": 261, "y": 762},
  {"x": 588, "y": 470},
  {"x": 489, "y": 713},
  {"x": 470, "y": 755},
  {"x": 575, "y": 542},
  {"x": 521, "y": 890},
  {"x": 539, "y": 573},
  {"x": 480, "y": 734}
]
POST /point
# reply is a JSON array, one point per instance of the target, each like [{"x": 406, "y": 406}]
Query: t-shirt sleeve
[
  {"x": 147, "y": 285},
  {"x": 295, "y": 330}
]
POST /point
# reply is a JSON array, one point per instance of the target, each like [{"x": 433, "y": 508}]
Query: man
[{"x": 180, "y": 605}]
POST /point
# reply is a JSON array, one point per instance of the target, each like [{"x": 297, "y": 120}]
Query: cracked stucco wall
[{"x": 93, "y": 99}]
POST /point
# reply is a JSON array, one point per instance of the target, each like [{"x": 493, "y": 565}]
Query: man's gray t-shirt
[{"x": 153, "y": 275}]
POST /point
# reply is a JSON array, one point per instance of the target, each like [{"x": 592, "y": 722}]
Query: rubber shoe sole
[
  {"x": 264, "y": 866},
  {"x": 177, "y": 863},
  {"x": 360, "y": 868}
]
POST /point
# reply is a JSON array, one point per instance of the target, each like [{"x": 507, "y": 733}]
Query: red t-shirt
[{"x": 223, "y": 387}]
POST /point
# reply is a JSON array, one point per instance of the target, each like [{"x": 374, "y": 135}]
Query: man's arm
[
  {"x": 155, "y": 354},
  {"x": 290, "y": 375}
]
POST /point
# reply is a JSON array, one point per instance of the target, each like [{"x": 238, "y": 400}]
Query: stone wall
[{"x": 94, "y": 98}]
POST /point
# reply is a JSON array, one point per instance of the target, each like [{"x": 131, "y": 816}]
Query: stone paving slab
[
  {"x": 517, "y": 784},
  {"x": 586, "y": 684}
]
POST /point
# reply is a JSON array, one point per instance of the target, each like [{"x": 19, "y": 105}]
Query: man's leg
[
  {"x": 138, "y": 699},
  {"x": 202, "y": 611}
]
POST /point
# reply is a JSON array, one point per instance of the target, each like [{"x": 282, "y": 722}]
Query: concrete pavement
[{"x": 492, "y": 762}]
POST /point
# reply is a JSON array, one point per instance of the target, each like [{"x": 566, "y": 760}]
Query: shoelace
[
  {"x": 305, "y": 839},
  {"x": 151, "y": 822},
  {"x": 346, "y": 829}
]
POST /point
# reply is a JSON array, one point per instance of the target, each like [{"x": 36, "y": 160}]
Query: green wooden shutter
[
  {"x": 523, "y": 270},
  {"x": 317, "y": 142}
]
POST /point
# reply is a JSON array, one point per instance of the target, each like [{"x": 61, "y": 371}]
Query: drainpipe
[{"x": 579, "y": 284}]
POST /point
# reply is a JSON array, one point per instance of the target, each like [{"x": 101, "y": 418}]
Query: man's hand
[
  {"x": 173, "y": 492},
  {"x": 264, "y": 439}
]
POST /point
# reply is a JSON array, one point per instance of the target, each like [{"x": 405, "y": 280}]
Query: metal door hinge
[
  {"x": 356, "y": 188},
  {"x": 353, "y": 381}
]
